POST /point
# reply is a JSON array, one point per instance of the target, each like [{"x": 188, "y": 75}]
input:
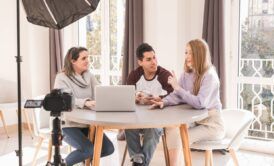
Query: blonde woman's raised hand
[{"x": 172, "y": 80}]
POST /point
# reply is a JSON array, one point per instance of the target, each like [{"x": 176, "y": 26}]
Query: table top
[{"x": 143, "y": 117}]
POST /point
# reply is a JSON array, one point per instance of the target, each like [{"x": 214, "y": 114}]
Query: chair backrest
[
  {"x": 236, "y": 122},
  {"x": 41, "y": 118}
]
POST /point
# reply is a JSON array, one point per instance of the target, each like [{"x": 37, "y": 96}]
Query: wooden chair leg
[
  {"x": 4, "y": 123},
  {"x": 49, "y": 150},
  {"x": 211, "y": 158},
  {"x": 124, "y": 156},
  {"x": 165, "y": 149},
  {"x": 38, "y": 146},
  {"x": 69, "y": 149},
  {"x": 207, "y": 158},
  {"x": 234, "y": 157},
  {"x": 92, "y": 131},
  {"x": 28, "y": 122}
]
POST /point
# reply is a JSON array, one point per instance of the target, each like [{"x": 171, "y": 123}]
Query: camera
[{"x": 56, "y": 101}]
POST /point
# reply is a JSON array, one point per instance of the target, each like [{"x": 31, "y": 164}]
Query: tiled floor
[{"x": 8, "y": 157}]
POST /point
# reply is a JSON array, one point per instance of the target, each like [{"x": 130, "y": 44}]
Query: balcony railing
[
  {"x": 256, "y": 93},
  {"x": 111, "y": 74}
]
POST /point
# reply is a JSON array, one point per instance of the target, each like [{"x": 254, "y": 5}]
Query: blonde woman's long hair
[{"x": 201, "y": 62}]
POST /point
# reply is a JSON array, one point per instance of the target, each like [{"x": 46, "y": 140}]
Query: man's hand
[
  {"x": 172, "y": 80},
  {"x": 138, "y": 97},
  {"x": 157, "y": 104},
  {"x": 146, "y": 99},
  {"x": 90, "y": 104}
]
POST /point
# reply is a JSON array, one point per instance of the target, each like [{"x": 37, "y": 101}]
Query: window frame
[{"x": 105, "y": 72}]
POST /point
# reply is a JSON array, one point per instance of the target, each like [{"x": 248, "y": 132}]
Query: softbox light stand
[
  {"x": 54, "y": 14},
  {"x": 18, "y": 61}
]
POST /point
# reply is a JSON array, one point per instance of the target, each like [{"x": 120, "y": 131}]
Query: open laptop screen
[{"x": 115, "y": 98}]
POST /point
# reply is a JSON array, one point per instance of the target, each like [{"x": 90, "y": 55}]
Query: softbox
[{"x": 57, "y": 13}]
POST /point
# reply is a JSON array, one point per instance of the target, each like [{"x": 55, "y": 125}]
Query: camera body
[{"x": 58, "y": 101}]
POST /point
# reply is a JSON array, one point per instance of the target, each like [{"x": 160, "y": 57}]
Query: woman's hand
[
  {"x": 90, "y": 104},
  {"x": 172, "y": 80},
  {"x": 156, "y": 104}
]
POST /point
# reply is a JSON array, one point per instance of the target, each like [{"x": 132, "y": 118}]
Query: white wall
[
  {"x": 169, "y": 25},
  {"x": 35, "y": 55}
]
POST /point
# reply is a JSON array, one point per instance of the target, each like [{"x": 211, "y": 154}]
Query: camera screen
[{"x": 33, "y": 104}]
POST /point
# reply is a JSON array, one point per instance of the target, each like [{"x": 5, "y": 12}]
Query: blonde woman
[{"x": 198, "y": 86}]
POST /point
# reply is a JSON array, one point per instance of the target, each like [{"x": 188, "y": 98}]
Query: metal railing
[
  {"x": 113, "y": 72},
  {"x": 256, "y": 93}
]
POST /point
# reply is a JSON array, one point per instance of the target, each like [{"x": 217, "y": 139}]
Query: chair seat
[
  {"x": 210, "y": 145},
  {"x": 45, "y": 132}
]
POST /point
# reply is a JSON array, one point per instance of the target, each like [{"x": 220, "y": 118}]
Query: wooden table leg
[
  {"x": 185, "y": 143},
  {"x": 97, "y": 146},
  {"x": 4, "y": 123},
  {"x": 92, "y": 130}
]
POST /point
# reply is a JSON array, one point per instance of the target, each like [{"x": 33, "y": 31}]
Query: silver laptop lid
[{"x": 115, "y": 98}]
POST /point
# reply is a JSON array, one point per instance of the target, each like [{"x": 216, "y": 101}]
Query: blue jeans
[
  {"x": 78, "y": 139},
  {"x": 150, "y": 140}
]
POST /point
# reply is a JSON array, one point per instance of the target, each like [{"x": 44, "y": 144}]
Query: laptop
[{"x": 120, "y": 98}]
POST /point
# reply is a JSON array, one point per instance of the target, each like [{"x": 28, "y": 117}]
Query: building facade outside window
[
  {"x": 102, "y": 33},
  {"x": 256, "y": 65}
]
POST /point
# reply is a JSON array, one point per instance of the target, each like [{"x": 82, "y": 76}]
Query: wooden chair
[
  {"x": 42, "y": 130},
  {"x": 13, "y": 106}
]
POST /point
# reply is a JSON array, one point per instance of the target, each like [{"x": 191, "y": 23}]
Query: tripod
[{"x": 56, "y": 136}]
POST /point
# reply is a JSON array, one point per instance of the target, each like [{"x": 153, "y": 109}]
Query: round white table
[{"x": 172, "y": 116}]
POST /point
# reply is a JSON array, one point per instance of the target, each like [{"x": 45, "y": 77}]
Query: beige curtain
[
  {"x": 56, "y": 44},
  {"x": 133, "y": 35},
  {"x": 213, "y": 33}
]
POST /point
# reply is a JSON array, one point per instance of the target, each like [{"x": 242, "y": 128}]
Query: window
[
  {"x": 265, "y": 11},
  {"x": 256, "y": 66},
  {"x": 101, "y": 33}
]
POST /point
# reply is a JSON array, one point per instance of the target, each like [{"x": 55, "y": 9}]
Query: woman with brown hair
[
  {"x": 198, "y": 86},
  {"x": 77, "y": 79}
]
